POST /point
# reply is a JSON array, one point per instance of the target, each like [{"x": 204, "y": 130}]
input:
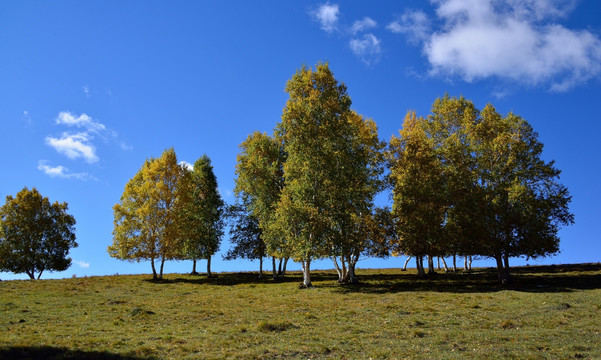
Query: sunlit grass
[{"x": 548, "y": 313}]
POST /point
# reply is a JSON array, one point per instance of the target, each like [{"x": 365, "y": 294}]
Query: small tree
[
  {"x": 246, "y": 236},
  {"x": 202, "y": 214},
  {"x": 259, "y": 184},
  {"x": 148, "y": 218},
  {"x": 35, "y": 235}
]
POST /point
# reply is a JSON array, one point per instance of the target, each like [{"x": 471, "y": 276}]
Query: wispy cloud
[
  {"x": 367, "y": 48},
  {"x": 27, "y": 118},
  {"x": 516, "y": 40},
  {"x": 363, "y": 25},
  {"x": 74, "y": 146},
  {"x": 61, "y": 172},
  {"x": 82, "y": 264},
  {"x": 412, "y": 23},
  {"x": 82, "y": 121},
  {"x": 79, "y": 144},
  {"x": 363, "y": 44},
  {"x": 327, "y": 16},
  {"x": 86, "y": 90},
  {"x": 125, "y": 147}
]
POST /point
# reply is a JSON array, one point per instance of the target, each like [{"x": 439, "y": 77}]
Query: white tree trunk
[
  {"x": 444, "y": 263},
  {"x": 406, "y": 262},
  {"x": 307, "y": 274},
  {"x": 338, "y": 269}
]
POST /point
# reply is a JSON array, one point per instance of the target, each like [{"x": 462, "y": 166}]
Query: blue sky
[{"x": 91, "y": 89}]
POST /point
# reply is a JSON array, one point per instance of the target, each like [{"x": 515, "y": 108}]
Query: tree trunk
[
  {"x": 31, "y": 275},
  {"x": 194, "y": 267},
  {"x": 444, "y": 264},
  {"x": 465, "y": 263},
  {"x": 280, "y": 266},
  {"x": 344, "y": 269},
  {"x": 419, "y": 263},
  {"x": 406, "y": 262},
  {"x": 500, "y": 269},
  {"x": 351, "y": 276},
  {"x": 40, "y": 274},
  {"x": 154, "y": 270},
  {"x": 431, "y": 265},
  {"x": 506, "y": 266},
  {"x": 284, "y": 269},
  {"x": 307, "y": 274},
  {"x": 209, "y": 267},
  {"x": 162, "y": 266},
  {"x": 338, "y": 269},
  {"x": 260, "y": 267},
  {"x": 454, "y": 263},
  {"x": 274, "y": 270},
  {"x": 438, "y": 263},
  {"x": 469, "y": 264}
]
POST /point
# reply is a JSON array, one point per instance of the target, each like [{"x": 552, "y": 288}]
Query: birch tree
[
  {"x": 148, "y": 217},
  {"x": 358, "y": 169},
  {"x": 259, "y": 184},
  {"x": 313, "y": 126},
  {"x": 524, "y": 205},
  {"x": 418, "y": 201}
]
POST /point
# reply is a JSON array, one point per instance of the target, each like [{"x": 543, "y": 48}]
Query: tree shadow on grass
[
  {"x": 227, "y": 279},
  {"x": 546, "y": 279},
  {"x": 51, "y": 353}
]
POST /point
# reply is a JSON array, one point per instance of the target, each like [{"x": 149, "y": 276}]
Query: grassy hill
[{"x": 549, "y": 312}]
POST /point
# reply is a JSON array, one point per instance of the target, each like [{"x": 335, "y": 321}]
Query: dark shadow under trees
[
  {"x": 52, "y": 353},
  {"x": 551, "y": 278}
]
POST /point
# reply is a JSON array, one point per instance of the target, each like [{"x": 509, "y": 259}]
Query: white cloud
[
  {"x": 514, "y": 40},
  {"x": 86, "y": 90},
  {"x": 27, "y": 118},
  {"x": 74, "y": 146},
  {"x": 367, "y": 48},
  {"x": 125, "y": 147},
  {"x": 81, "y": 121},
  {"x": 363, "y": 25},
  {"x": 187, "y": 165},
  {"x": 82, "y": 264},
  {"x": 412, "y": 23},
  {"x": 61, "y": 172},
  {"x": 327, "y": 15}
]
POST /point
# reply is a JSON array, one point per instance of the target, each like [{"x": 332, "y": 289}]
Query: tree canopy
[
  {"x": 474, "y": 183},
  {"x": 202, "y": 219},
  {"x": 148, "y": 219},
  {"x": 35, "y": 235}
]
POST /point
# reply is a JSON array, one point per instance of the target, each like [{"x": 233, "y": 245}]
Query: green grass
[{"x": 551, "y": 312}]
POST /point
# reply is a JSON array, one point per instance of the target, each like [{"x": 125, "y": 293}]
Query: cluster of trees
[
  {"x": 35, "y": 235},
  {"x": 473, "y": 183},
  {"x": 169, "y": 212},
  {"x": 306, "y": 192},
  {"x": 464, "y": 182}
]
